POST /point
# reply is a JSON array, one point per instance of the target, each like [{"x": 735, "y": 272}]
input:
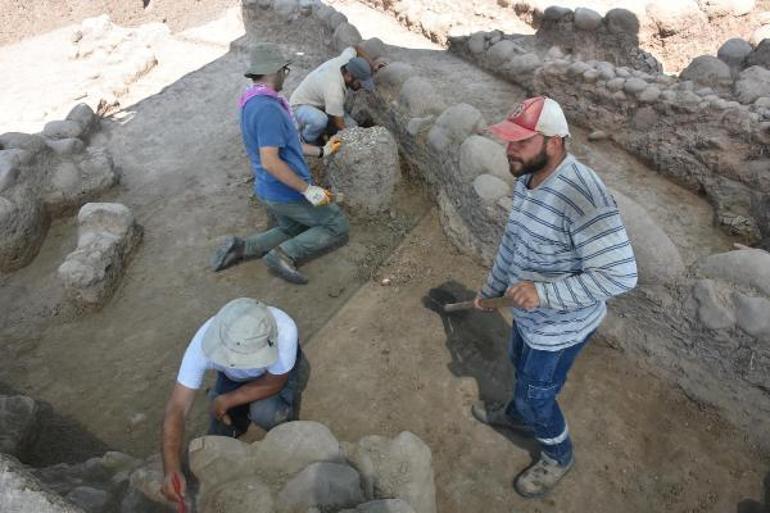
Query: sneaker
[
  {"x": 229, "y": 252},
  {"x": 280, "y": 264},
  {"x": 494, "y": 414},
  {"x": 541, "y": 477}
]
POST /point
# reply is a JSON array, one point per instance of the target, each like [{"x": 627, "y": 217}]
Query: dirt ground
[{"x": 381, "y": 362}]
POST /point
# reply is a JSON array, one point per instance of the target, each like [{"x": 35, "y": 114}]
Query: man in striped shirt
[{"x": 564, "y": 253}]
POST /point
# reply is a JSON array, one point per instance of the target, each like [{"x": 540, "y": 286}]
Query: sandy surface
[{"x": 381, "y": 362}]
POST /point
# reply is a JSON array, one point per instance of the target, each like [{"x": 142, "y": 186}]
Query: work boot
[
  {"x": 280, "y": 264},
  {"x": 229, "y": 252},
  {"x": 494, "y": 414},
  {"x": 541, "y": 477}
]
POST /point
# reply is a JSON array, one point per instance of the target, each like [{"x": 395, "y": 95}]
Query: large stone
[
  {"x": 752, "y": 315},
  {"x": 9, "y": 168},
  {"x": 587, "y": 19},
  {"x": 366, "y": 168},
  {"x": 673, "y": 17},
  {"x": 479, "y": 155},
  {"x": 759, "y": 35},
  {"x": 622, "y": 21},
  {"x": 374, "y": 47},
  {"x": 501, "y": 52},
  {"x": 634, "y": 86},
  {"x": 346, "y": 35},
  {"x": 477, "y": 43},
  {"x": 398, "y": 468},
  {"x": 148, "y": 478},
  {"x": 216, "y": 459},
  {"x": 746, "y": 267},
  {"x": 712, "y": 311},
  {"x": 21, "y": 492},
  {"x": 382, "y": 506},
  {"x": 335, "y": 20},
  {"x": 524, "y": 64},
  {"x": 322, "y": 484},
  {"x": 18, "y": 419},
  {"x": 734, "y": 52},
  {"x": 107, "y": 234},
  {"x": 390, "y": 78},
  {"x": 760, "y": 56},
  {"x": 65, "y": 147},
  {"x": 718, "y": 8},
  {"x": 753, "y": 83},
  {"x": 109, "y": 472},
  {"x": 62, "y": 129},
  {"x": 23, "y": 224},
  {"x": 84, "y": 115},
  {"x": 490, "y": 188},
  {"x": 290, "y": 447},
  {"x": 657, "y": 258},
  {"x": 245, "y": 495},
  {"x": 709, "y": 71},
  {"x": 419, "y": 97},
  {"x": 453, "y": 126},
  {"x": 285, "y": 8},
  {"x": 92, "y": 500}
]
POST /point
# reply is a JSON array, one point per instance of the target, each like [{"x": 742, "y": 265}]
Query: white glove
[
  {"x": 318, "y": 196},
  {"x": 331, "y": 147}
]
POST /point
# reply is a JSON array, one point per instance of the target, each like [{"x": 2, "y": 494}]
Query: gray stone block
[
  {"x": 21, "y": 492},
  {"x": 621, "y": 21},
  {"x": 752, "y": 314},
  {"x": 734, "y": 52},
  {"x": 760, "y": 56},
  {"x": 17, "y": 140},
  {"x": 323, "y": 484},
  {"x": 707, "y": 70},
  {"x": 18, "y": 419},
  {"x": 92, "y": 500},
  {"x": 634, "y": 86},
  {"x": 490, "y": 188},
  {"x": 390, "y": 78},
  {"x": 23, "y": 225},
  {"x": 712, "y": 311},
  {"x": 419, "y": 97},
  {"x": 84, "y": 115},
  {"x": 453, "y": 126},
  {"x": 290, "y": 447},
  {"x": 374, "y": 47},
  {"x": 245, "y": 495},
  {"x": 587, "y": 19},
  {"x": 477, "y": 43},
  {"x": 479, "y": 155},
  {"x": 217, "y": 459},
  {"x": 746, "y": 268},
  {"x": 346, "y": 35},
  {"x": 66, "y": 147},
  {"x": 63, "y": 129},
  {"x": 501, "y": 52}
]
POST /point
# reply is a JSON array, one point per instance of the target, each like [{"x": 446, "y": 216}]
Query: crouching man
[{"x": 255, "y": 352}]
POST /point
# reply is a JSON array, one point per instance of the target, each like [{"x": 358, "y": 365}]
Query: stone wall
[
  {"x": 47, "y": 175},
  {"x": 690, "y": 134},
  {"x": 708, "y": 130}
]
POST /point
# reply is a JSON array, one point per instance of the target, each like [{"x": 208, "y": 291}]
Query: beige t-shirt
[{"x": 324, "y": 87}]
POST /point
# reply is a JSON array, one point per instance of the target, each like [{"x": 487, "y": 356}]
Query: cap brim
[
  {"x": 261, "y": 70},
  {"x": 368, "y": 84},
  {"x": 510, "y": 132},
  {"x": 218, "y": 354}
]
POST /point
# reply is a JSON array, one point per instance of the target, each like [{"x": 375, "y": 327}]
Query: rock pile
[
  {"x": 366, "y": 169},
  {"x": 107, "y": 234},
  {"x": 45, "y": 175},
  {"x": 123, "y": 56},
  {"x": 300, "y": 466}
]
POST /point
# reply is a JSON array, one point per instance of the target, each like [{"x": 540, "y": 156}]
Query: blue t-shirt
[{"x": 264, "y": 123}]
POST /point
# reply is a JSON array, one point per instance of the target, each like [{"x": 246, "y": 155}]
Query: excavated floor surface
[{"x": 381, "y": 362}]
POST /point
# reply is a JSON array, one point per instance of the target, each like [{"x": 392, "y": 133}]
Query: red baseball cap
[{"x": 539, "y": 115}]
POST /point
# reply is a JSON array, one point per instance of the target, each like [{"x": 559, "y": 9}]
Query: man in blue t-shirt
[{"x": 307, "y": 221}]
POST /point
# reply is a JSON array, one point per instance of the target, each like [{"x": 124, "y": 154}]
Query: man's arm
[
  {"x": 262, "y": 387},
  {"x": 497, "y": 280},
  {"x": 309, "y": 150},
  {"x": 177, "y": 408},
  {"x": 338, "y": 122},
  {"x": 272, "y": 162},
  {"x": 608, "y": 263}
]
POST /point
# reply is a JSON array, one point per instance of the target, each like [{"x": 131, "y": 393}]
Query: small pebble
[{"x": 385, "y": 282}]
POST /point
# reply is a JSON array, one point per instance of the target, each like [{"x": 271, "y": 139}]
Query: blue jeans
[
  {"x": 302, "y": 230},
  {"x": 539, "y": 377},
  {"x": 312, "y": 122},
  {"x": 265, "y": 413}
]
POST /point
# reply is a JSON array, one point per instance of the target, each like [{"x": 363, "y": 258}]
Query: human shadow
[
  {"x": 478, "y": 344},
  {"x": 752, "y": 506}
]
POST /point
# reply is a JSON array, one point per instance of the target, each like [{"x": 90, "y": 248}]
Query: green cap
[{"x": 265, "y": 59}]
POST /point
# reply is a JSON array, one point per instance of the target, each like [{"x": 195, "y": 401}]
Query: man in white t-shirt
[
  {"x": 318, "y": 100},
  {"x": 254, "y": 349}
]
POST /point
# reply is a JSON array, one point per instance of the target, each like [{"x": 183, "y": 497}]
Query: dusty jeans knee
[
  {"x": 540, "y": 376},
  {"x": 311, "y": 122},
  {"x": 265, "y": 413}
]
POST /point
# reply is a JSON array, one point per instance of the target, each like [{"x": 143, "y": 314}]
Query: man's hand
[
  {"x": 318, "y": 196},
  {"x": 524, "y": 295},
  {"x": 168, "y": 489},
  {"x": 331, "y": 147},
  {"x": 478, "y": 306},
  {"x": 219, "y": 409}
]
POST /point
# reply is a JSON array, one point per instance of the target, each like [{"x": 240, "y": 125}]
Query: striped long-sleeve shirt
[{"x": 566, "y": 236}]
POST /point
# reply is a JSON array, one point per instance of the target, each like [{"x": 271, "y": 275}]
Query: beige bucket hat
[{"x": 242, "y": 335}]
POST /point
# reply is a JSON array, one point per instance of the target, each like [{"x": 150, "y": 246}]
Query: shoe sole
[{"x": 282, "y": 273}]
